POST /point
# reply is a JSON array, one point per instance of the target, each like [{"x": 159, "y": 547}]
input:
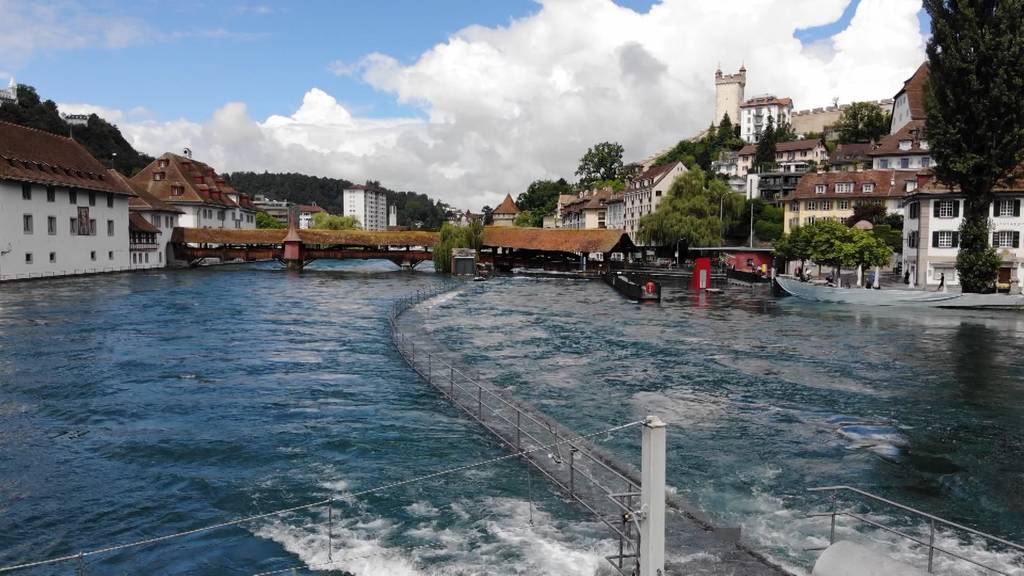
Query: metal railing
[
  {"x": 931, "y": 519},
  {"x": 585, "y": 475}
]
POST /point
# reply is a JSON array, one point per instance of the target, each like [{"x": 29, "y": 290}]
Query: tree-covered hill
[
  {"x": 414, "y": 209},
  {"x": 101, "y": 138}
]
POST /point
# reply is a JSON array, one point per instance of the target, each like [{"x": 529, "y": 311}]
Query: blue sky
[{"x": 267, "y": 53}]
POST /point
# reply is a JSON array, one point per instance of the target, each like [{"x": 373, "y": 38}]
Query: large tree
[
  {"x": 862, "y": 122},
  {"x": 975, "y": 105},
  {"x": 691, "y": 212},
  {"x": 540, "y": 200},
  {"x": 601, "y": 162}
]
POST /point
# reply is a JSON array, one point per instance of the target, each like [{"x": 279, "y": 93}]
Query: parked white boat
[{"x": 816, "y": 293}]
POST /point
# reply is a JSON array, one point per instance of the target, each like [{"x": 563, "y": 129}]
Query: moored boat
[{"x": 888, "y": 297}]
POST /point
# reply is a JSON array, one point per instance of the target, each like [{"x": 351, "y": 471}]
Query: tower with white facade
[
  {"x": 9, "y": 95},
  {"x": 368, "y": 205}
]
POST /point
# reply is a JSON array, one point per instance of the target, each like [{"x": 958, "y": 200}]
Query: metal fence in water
[{"x": 588, "y": 477}]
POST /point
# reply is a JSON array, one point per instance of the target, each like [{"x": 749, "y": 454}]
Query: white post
[
  {"x": 860, "y": 275},
  {"x": 878, "y": 274},
  {"x": 652, "y": 498}
]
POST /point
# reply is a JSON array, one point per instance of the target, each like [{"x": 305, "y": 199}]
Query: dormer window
[
  {"x": 910, "y": 185},
  {"x": 162, "y": 163},
  {"x": 158, "y": 176},
  {"x": 844, "y": 187},
  {"x": 177, "y": 190},
  {"x": 923, "y": 144},
  {"x": 820, "y": 189},
  {"x": 905, "y": 144},
  {"x": 867, "y": 187}
]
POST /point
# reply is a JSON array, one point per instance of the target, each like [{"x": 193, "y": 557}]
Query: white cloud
[{"x": 510, "y": 104}]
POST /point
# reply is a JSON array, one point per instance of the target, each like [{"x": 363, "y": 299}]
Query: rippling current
[{"x": 133, "y": 406}]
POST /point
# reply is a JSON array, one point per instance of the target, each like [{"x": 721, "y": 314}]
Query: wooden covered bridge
[{"x": 505, "y": 247}]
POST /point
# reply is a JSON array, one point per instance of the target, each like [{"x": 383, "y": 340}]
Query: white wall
[
  {"x": 165, "y": 222},
  {"x": 368, "y": 206},
  {"x": 74, "y": 254}
]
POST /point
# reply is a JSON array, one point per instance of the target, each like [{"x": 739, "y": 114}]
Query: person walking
[{"x": 942, "y": 282}]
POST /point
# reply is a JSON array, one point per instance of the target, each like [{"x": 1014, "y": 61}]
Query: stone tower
[{"x": 729, "y": 94}]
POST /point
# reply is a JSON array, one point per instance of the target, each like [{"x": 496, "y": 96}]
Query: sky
[{"x": 461, "y": 99}]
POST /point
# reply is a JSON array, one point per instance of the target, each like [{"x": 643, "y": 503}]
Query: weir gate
[{"x": 607, "y": 488}]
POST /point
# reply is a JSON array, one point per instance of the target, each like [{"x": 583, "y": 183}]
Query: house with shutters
[
  {"x": 206, "y": 199},
  {"x": 834, "y": 195},
  {"x": 931, "y": 232}
]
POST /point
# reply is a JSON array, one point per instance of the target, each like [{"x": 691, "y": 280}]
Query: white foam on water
[{"x": 489, "y": 536}]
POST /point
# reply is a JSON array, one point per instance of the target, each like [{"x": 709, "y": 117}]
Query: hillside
[
  {"x": 414, "y": 210},
  {"x": 101, "y": 138}
]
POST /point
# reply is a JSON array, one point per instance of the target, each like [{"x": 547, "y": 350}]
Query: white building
[
  {"x": 644, "y": 193},
  {"x": 60, "y": 211},
  {"x": 306, "y": 214},
  {"x": 906, "y": 146},
  {"x": 908, "y": 104},
  {"x": 393, "y": 215},
  {"x": 615, "y": 211},
  {"x": 589, "y": 211},
  {"x": 206, "y": 199},
  {"x": 9, "y": 95},
  {"x": 931, "y": 233},
  {"x": 150, "y": 224},
  {"x": 754, "y": 114},
  {"x": 506, "y": 212},
  {"x": 368, "y": 205},
  {"x": 790, "y": 156}
]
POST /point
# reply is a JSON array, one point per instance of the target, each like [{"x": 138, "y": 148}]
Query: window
[
  {"x": 74, "y": 226},
  {"x": 947, "y": 209},
  {"x": 110, "y": 227},
  {"x": 26, "y": 221},
  {"x": 1006, "y": 239},
  {"x": 820, "y": 189},
  {"x": 92, "y": 227},
  {"x": 913, "y": 209},
  {"x": 110, "y": 255},
  {"x": 160, "y": 256},
  {"x": 905, "y": 144},
  {"x": 162, "y": 163},
  {"x": 867, "y": 187},
  {"x": 826, "y": 204},
  {"x": 177, "y": 190},
  {"x": 135, "y": 258},
  {"x": 912, "y": 239},
  {"x": 158, "y": 176},
  {"x": 883, "y": 163},
  {"x": 92, "y": 255},
  {"x": 904, "y": 163},
  {"x": 794, "y": 205},
  {"x": 92, "y": 198},
  {"x": 843, "y": 204},
  {"x": 51, "y": 225},
  {"x": 53, "y": 257},
  {"x": 51, "y": 194},
  {"x": 844, "y": 187},
  {"x": 73, "y": 196},
  {"x": 810, "y": 219},
  {"x": 110, "y": 200},
  {"x": 944, "y": 239},
  {"x": 28, "y": 257},
  {"x": 26, "y": 191},
  {"x": 926, "y": 161},
  {"x": 1008, "y": 208},
  {"x": 910, "y": 185},
  {"x": 147, "y": 257},
  {"x": 923, "y": 144}
]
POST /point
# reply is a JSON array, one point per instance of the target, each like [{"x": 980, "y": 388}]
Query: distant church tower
[
  {"x": 10, "y": 94},
  {"x": 729, "y": 94}
]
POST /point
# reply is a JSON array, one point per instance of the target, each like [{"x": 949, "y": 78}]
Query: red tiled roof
[
  {"x": 143, "y": 200},
  {"x": 310, "y": 208},
  {"x": 890, "y": 144},
  {"x": 787, "y": 146},
  {"x": 888, "y": 183},
  {"x": 928, "y": 184},
  {"x": 914, "y": 87},
  {"x": 31, "y": 155},
  {"x": 137, "y": 223},
  {"x": 329, "y": 237},
  {"x": 187, "y": 181},
  {"x": 851, "y": 152},
  {"x": 767, "y": 101},
  {"x": 507, "y": 206}
]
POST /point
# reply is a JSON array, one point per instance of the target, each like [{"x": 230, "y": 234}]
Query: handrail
[{"x": 932, "y": 548}]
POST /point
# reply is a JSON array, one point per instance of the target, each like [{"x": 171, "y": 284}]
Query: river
[{"x": 137, "y": 405}]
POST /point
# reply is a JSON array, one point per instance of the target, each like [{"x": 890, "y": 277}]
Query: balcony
[{"x": 143, "y": 247}]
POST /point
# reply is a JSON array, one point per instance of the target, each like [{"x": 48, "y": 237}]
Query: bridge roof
[
  {"x": 276, "y": 236},
  {"x": 556, "y": 239}
]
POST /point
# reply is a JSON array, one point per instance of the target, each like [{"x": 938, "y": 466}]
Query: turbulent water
[{"x": 134, "y": 406}]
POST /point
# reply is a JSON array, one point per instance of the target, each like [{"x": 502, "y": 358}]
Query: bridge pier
[{"x": 294, "y": 249}]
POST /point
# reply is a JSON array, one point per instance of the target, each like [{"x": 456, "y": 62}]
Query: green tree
[
  {"x": 691, "y": 211},
  {"x": 526, "y": 220},
  {"x": 488, "y": 215},
  {"x": 795, "y": 246},
  {"x": 725, "y": 132},
  {"x": 325, "y": 221},
  {"x": 765, "y": 153},
  {"x": 540, "y": 200},
  {"x": 767, "y": 221},
  {"x": 784, "y": 132},
  {"x": 867, "y": 250},
  {"x": 831, "y": 244},
  {"x": 601, "y": 162},
  {"x": 862, "y": 122},
  {"x": 451, "y": 237},
  {"x": 264, "y": 220},
  {"x": 975, "y": 105},
  {"x": 874, "y": 213}
]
